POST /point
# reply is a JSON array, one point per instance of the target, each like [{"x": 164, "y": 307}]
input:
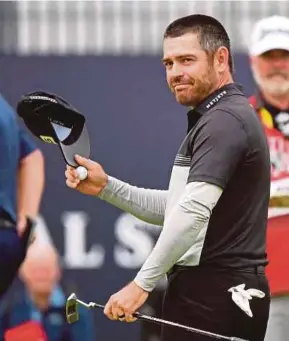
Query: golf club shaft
[
  {"x": 90, "y": 304},
  {"x": 167, "y": 323}
]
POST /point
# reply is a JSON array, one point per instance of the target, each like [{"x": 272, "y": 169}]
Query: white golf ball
[{"x": 82, "y": 172}]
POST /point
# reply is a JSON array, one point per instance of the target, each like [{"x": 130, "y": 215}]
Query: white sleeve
[
  {"x": 186, "y": 220},
  {"x": 146, "y": 204}
]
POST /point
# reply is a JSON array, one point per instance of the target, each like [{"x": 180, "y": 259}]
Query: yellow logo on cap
[{"x": 47, "y": 139}]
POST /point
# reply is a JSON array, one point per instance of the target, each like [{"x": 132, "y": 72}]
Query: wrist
[
  {"x": 142, "y": 286},
  {"x": 104, "y": 185},
  {"x": 138, "y": 286}
]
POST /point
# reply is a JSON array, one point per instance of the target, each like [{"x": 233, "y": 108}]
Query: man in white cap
[{"x": 269, "y": 58}]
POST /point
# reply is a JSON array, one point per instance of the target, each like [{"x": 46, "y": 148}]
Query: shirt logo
[
  {"x": 279, "y": 154},
  {"x": 216, "y": 99},
  {"x": 282, "y": 119}
]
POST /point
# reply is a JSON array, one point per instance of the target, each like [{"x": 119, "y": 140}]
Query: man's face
[
  {"x": 41, "y": 275},
  {"x": 271, "y": 72},
  {"x": 189, "y": 72}
]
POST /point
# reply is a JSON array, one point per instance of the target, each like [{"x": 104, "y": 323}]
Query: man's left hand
[{"x": 125, "y": 303}]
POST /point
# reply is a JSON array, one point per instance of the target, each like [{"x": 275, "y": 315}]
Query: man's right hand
[{"x": 95, "y": 181}]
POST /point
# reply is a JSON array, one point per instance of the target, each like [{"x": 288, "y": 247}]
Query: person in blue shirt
[
  {"x": 21, "y": 188},
  {"x": 43, "y": 299}
]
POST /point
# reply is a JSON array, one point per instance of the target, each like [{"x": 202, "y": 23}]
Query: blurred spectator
[
  {"x": 269, "y": 56},
  {"x": 21, "y": 189},
  {"x": 39, "y": 311}
]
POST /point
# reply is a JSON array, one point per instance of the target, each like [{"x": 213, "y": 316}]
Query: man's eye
[
  {"x": 168, "y": 64},
  {"x": 187, "y": 60}
]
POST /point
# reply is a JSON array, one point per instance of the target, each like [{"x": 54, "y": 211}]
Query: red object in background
[
  {"x": 278, "y": 224},
  {"x": 28, "y": 331},
  {"x": 278, "y": 254}
]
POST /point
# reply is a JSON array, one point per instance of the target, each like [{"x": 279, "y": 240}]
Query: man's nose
[
  {"x": 279, "y": 63},
  {"x": 176, "y": 70}
]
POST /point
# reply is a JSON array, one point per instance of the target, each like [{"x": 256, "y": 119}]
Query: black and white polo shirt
[{"x": 226, "y": 146}]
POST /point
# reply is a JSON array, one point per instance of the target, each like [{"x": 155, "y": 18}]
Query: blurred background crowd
[{"x": 105, "y": 58}]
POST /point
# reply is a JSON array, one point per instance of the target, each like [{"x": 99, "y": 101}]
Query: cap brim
[
  {"x": 81, "y": 146},
  {"x": 271, "y": 42}
]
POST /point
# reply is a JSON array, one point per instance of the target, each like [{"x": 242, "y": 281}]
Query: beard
[
  {"x": 192, "y": 92},
  {"x": 271, "y": 85}
]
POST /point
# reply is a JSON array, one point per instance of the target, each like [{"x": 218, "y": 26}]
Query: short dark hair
[{"x": 212, "y": 34}]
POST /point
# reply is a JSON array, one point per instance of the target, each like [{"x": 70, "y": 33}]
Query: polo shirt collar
[{"x": 210, "y": 101}]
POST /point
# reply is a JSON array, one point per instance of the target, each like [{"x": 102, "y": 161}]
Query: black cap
[{"x": 53, "y": 120}]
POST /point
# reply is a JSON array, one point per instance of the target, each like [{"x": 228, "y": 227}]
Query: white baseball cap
[{"x": 271, "y": 33}]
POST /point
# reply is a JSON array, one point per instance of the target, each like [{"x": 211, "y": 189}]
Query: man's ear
[{"x": 221, "y": 59}]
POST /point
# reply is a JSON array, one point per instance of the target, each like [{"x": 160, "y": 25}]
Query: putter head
[
  {"x": 53, "y": 120},
  {"x": 72, "y": 314}
]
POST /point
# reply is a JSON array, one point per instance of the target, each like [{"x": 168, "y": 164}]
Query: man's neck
[
  {"x": 41, "y": 301},
  {"x": 224, "y": 80},
  {"x": 279, "y": 102}
]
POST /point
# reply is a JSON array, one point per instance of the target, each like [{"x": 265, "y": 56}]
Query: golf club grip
[{"x": 137, "y": 315}]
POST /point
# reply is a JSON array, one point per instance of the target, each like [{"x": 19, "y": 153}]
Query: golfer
[{"x": 214, "y": 213}]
